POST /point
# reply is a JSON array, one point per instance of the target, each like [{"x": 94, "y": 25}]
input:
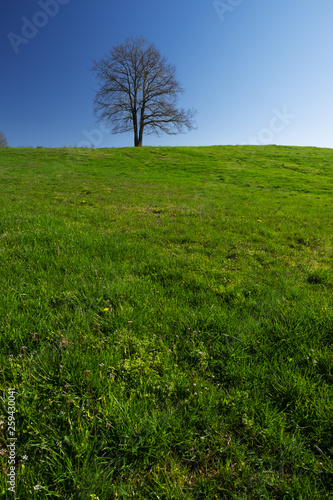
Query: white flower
[
  {"x": 36, "y": 487},
  {"x": 25, "y": 457}
]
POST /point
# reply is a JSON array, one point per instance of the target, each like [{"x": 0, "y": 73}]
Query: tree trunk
[
  {"x": 141, "y": 127},
  {"x": 135, "y": 129},
  {"x": 140, "y": 137}
]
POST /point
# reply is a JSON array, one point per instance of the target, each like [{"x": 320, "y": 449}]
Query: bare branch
[
  {"x": 139, "y": 91},
  {"x": 3, "y": 141}
]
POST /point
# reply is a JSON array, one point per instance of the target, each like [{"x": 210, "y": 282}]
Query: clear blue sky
[{"x": 257, "y": 71}]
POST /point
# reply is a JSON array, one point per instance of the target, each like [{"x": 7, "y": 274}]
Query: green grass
[{"x": 175, "y": 309}]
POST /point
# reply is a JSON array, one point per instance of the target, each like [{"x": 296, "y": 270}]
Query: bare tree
[
  {"x": 3, "y": 141},
  {"x": 139, "y": 92}
]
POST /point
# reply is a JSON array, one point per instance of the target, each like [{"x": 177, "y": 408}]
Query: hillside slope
[{"x": 166, "y": 322}]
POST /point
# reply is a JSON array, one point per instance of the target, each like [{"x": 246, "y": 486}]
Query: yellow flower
[
  {"x": 105, "y": 309},
  {"x": 259, "y": 220}
]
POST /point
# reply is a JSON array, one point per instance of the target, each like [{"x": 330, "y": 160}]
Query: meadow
[{"x": 166, "y": 322}]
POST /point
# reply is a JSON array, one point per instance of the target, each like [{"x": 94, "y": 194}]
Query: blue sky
[{"x": 256, "y": 71}]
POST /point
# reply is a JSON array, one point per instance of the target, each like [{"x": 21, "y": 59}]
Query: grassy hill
[{"x": 166, "y": 322}]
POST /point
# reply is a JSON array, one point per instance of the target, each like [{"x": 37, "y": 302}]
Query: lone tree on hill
[
  {"x": 139, "y": 91},
  {"x": 3, "y": 141}
]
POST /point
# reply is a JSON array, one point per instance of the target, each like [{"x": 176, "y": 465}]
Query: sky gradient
[{"x": 256, "y": 71}]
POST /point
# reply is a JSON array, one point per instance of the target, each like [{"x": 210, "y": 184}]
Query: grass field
[{"x": 166, "y": 323}]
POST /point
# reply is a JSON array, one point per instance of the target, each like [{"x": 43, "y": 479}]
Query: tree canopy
[{"x": 139, "y": 92}]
